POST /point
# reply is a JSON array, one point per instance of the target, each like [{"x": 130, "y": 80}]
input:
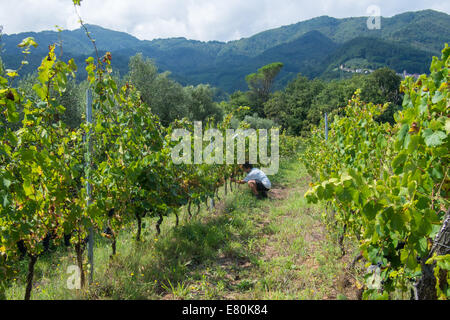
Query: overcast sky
[{"x": 204, "y": 20}]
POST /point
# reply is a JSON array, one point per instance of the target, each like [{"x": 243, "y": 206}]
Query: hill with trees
[{"x": 313, "y": 48}]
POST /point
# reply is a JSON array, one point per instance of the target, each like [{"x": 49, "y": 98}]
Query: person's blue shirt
[{"x": 257, "y": 174}]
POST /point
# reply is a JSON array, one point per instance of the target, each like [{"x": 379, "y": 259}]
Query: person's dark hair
[{"x": 247, "y": 165}]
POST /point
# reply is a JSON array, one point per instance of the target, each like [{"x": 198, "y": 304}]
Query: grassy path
[{"x": 247, "y": 249}]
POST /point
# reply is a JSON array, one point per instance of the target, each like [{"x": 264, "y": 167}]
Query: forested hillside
[{"x": 312, "y": 47}]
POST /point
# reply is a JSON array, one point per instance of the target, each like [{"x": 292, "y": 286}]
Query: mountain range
[{"x": 314, "y": 48}]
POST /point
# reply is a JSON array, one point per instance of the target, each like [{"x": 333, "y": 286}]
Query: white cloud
[
  {"x": 194, "y": 19},
  {"x": 29, "y": 15}
]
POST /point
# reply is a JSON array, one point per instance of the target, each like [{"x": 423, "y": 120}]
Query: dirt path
[
  {"x": 290, "y": 255},
  {"x": 318, "y": 246}
]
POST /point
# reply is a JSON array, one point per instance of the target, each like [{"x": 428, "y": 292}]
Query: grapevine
[{"x": 389, "y": 185}]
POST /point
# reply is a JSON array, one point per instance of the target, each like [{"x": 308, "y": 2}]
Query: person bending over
[{"x": 256, "y": 180}]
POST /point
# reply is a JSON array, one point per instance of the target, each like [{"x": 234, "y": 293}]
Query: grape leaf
[{"x": 435, "y": 139}]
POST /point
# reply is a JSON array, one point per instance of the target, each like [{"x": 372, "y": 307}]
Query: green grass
[{"x": 247, "y": 249}]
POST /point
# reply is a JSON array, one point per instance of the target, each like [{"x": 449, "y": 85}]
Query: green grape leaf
[
  {"x": 371, "y": 209},
  {"x": 435, "y": 125},
  {"x": 434, "y": 139},
  {"x": 28, "y": 42},
  {"x": 438, "y": 97},
  {"x": 400, "y": 160},
  {"x": 6, "y": 183},
  {"x": 28, "y": 188}
]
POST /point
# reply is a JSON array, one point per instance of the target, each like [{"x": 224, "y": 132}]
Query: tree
[
  {"x": 276, "y": 108},
  {"x": 303, "y": 102},
  {"x": 201, "y": 104},
  {"x": 168, "y": 100},
  {"x": 256, "y": 122},
  {"x": 72, "y": 98},
  {"x": 383, "y": 86},
  {"x": 164, "y": 96},
  {"x": 261, "y": 84},
  {"x": 335, "y": 95},
  {"x": 237, "y": 99},
  {"x": 291, "y": 107},
  {"x": 142, "y": 74}
]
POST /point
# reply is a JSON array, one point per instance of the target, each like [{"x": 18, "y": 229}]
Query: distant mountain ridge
[{"x": 314, "y": 48}]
